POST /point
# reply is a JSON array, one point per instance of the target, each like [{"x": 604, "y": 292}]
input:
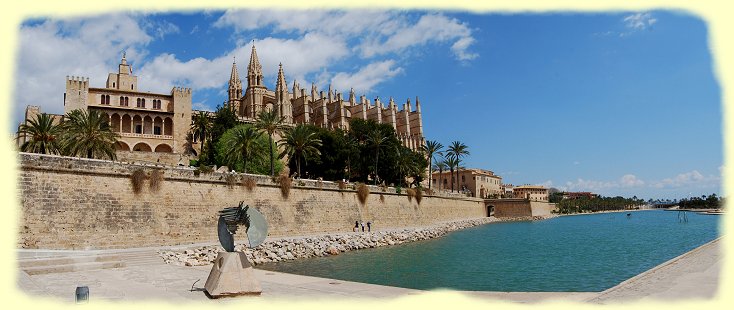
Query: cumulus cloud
[
  {"x": 51, "y": 50},
  {"x": 299, "y": 57},
  {"x": 630, "y": 180},
  {"x": 376, "y": 32},
  {"x": 430, "y": 27},
  {"x": 691, "y": 178},
  {"x": 363, "y": 80}
]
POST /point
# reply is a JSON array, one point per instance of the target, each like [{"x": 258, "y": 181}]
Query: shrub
[
  {"x": 193, "y": 162},
  {"x": 418, "y": 195},
  {"x": 428, "y": 191},
  {"x": 249, "y": 183},
  {"x": 156, "y": 179},
  {"x": 231, "y": 180},
  {"x": 203, "y": 169},
  {"x": 382, "y": 198},
  {"x": 363, "y": 192},
  {"x": 285, "y": 184},
  {"x": 410, "y": 193},
  {"x": 342, "y": 185},
  {"x": 137, "y": 178},
  {"x": 398, "y": 189}
]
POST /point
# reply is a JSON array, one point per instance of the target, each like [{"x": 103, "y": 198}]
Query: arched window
[
  {"x": 132, "y": 87},
  {"x": 122, "y": 101},
  {"x": 142, "y": 103},
  {"x": 126, "y": 100},
  {"x": 113, "y": 84}
]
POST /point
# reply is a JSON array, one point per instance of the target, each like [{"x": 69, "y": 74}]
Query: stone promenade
[{"x": 691, "y": 276}]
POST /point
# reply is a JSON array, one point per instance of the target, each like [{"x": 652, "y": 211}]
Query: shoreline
[{"x": 279, "y": 249}]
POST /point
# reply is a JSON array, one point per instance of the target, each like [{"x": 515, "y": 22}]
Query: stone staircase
[{"x": 35, "y": 262}]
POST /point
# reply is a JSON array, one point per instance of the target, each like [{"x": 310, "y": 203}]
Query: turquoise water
[{"x": 583, "y": 253}]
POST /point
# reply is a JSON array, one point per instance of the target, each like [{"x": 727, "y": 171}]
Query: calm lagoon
[{"x": 583, "y": 253}]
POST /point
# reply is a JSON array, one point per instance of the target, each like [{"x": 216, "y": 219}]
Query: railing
[{"x": 145, "y": 135}]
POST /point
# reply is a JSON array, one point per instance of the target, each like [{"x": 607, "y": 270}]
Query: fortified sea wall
[{"x": 71, "y": 203}]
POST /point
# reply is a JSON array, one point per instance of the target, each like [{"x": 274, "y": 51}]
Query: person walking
[
  {"x": 362, "y": 223},
  {"x": 369, "y": 228},
  {"x": 356, "y": 226}
]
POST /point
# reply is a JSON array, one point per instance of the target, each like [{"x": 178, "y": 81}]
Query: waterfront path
[{"x": 692, "y": 275}]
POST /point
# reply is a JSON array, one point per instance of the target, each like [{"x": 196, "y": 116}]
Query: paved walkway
[{"x": 692, "y": 275}]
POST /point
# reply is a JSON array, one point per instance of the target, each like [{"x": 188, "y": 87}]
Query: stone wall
[
  {"x": 169, "y": 159},
  {"x": 70, "y": 203}
]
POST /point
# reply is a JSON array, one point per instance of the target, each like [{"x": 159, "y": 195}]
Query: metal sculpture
[{"x": 230, "y": 218}]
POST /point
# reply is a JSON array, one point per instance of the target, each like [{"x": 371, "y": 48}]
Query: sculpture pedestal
[{"x": 232, "y": 275}]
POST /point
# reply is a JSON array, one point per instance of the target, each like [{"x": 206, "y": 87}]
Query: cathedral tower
[
  {"x": 255, "y": 88},
  {"x": 235, "y": 88}
]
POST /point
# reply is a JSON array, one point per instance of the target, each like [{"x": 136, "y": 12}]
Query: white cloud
[
  {"x": 340, "y": 23},
  {"x": 299, "y": 57},
  {"x": 366, "y": 78},
  {"x": 688, "y": 179},
  {"x": 430, "y": 27},
  {"x": 639, "y": 21},
  {"x": 378, "y": 32},
  {"x": 89, "y": 47},
  {"x": 630, "y": 180}
]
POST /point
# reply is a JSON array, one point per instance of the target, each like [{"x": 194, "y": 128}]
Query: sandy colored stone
[{"x": 232, "y": 275}]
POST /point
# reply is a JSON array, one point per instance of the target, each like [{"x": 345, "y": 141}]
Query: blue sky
[{"x": 619, "y": 103}]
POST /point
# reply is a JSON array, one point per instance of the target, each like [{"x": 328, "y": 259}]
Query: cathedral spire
[
  {"x": 235, "y": 85},
  {"x": 254, "y": 69},
  {"x": 280, "y": 84},
  {"x": 281, "y": 93}
]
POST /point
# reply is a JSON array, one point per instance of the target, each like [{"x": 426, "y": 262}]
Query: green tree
[
  {"x": 201, "y": 128},
  {"x": 269, "y": 121},
  {"x": 258, "y": 162},
  {"x": 431, "y": 148},
  {"x": 452, "y": 163},
  {"x": 300, "y": 143},
  {"x": 42, "y": 135},
  {"x": 239, "y": 144},
  {"x": 441, "y": 167},
  {"x": 224, "y": 119},
  {"x": 376, "y": 140},
  {"x": 88, "y": 133},
  {"x": 457, "y": 150}
]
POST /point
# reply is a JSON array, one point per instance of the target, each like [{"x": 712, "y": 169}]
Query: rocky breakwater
[{"x": 280, "y": 249}]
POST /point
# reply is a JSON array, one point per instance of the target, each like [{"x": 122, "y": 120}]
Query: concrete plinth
[{"x": 232, "y": 275}]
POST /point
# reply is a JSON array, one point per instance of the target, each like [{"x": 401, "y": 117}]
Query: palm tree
[
  {"x": 88, "y": 133},
  {"x": 350, "y": 144},
  {"x": 405, "y": 163},
  {"x": 377, "y": 140},
  {"x": 300, "y": 142},
  {"x": 241, "y": 144},
  {"x": 268, "y": 121},
  {"x": 457, "y": 150},
  {"x": 452, "y": 163},
  {"x": 43, "y": 135},
  {"x": 201, "y": 128},
  {"x": 430, "y": 148},
  {"x": 441, "y": 166}
]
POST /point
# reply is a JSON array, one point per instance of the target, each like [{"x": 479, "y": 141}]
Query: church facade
[{"x": 328, "y": 110}]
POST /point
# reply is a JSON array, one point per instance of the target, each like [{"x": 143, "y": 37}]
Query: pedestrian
[
  {"x": 369, "y": 228},
  {"x": 356, "y": 226},
  {"x": 362, "y": 223}
]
